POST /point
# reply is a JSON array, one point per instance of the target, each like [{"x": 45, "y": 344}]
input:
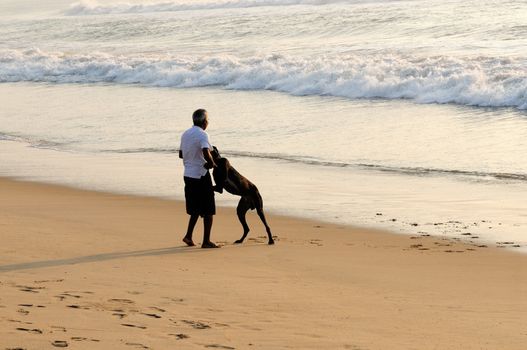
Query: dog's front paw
[{"x": 238, "y": 241}]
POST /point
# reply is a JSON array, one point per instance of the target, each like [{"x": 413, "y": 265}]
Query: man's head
[{"x": 200, "y": 118}]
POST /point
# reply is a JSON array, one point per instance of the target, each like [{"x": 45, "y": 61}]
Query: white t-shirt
[{"x": 192, "y": 143}]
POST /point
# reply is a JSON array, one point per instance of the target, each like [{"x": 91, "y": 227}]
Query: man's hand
[{"x": 208, "y": 158}]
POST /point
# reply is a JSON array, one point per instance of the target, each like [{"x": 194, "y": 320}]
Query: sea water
[{"x": 408, "y": 115}]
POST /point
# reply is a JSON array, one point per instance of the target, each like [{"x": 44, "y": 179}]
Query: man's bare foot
[
  {"x": 188, "y": 242},
  {"x": 209, "y": 245}
]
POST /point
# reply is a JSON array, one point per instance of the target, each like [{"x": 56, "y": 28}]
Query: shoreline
[
  {"x": 473, "y": 240},
  {"x": 78, "y": 153},
  {"x": 108, "y": 271},
  {"x": 445, "y": 205}
]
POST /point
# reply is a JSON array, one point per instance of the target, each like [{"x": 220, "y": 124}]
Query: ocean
[{"x": 405, "y": 115}]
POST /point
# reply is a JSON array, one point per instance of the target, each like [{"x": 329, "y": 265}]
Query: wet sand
[{"x": 91, "y": 270}]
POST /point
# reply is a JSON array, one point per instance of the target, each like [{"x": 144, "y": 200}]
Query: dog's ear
[{"x": 215, "y": 153}]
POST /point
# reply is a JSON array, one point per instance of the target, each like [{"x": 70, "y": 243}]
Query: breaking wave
[
  {"x": 34, "y": 141},
  {"x": 94, "y": 8},
  {"x": 477, "y": 81}
]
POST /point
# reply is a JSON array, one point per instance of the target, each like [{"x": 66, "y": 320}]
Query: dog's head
[{"x": 215, "y": 153}]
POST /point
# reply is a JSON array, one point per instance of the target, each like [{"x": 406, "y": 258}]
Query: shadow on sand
[{"x": 96, "y": 258}]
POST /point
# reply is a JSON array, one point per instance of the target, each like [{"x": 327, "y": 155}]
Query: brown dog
[{"x": 226, "y": 177}]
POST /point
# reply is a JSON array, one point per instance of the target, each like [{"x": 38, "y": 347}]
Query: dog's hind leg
[
  {"x": 267, "y": 228},
  {"x": 241, "y": 210}
]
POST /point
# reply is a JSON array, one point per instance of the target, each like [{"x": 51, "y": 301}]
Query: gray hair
[{"x": 199, "y": 116}]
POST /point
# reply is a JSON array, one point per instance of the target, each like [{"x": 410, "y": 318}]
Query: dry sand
[{"x": 103, "y": 271}]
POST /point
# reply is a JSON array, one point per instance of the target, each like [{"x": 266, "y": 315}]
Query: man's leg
[
  {"x": 190, "y": 229},
  {"x": 209, "y": 209},
  {"x": 207, "y": 226}
]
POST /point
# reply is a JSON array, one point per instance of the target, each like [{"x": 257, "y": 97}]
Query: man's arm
[{"x": 208, "y": 158}]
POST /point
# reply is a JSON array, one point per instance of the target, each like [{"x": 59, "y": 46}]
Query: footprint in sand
[
  {"x": 66, "y": 295},
  {"x": 59, "y": 343},
  {"x": 84, "y": 339},
  {"x": 152, "y": 315},
  {"x": 316, "y": 242},
  {"x": 176, "y": 300},
  {"x": 132, "y": 325},
  {"x": 22, "y": 311},
  {"x": 352, "y": 347},
  {"x": 58, "y": 328},
  {"x": 133, "y": 292},
  {"x": 49, "y": 281},
  {"x": 157, "y": 309},
  {"x": 218, "y": 346},
  {"x": 125, "y": 301},
  {"x": 29, "y": 289},
  {"x": 221, "y": 324},
  {"x": 137, "y": 345},
  {"x": 33, "y": 331},
  {"x": 196, "y": 324},
  {"x": 119, "y": 314},
  {"x": 31, "y": 305},
  {"x": 70, "y": 294},
  {"x": 180, "y": 336},
  {"x": 79, "y": 338}
]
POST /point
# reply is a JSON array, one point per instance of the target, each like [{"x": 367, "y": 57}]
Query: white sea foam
[
  {"x": 96, "y": 8},
  {"x": 482, "y": 81}
]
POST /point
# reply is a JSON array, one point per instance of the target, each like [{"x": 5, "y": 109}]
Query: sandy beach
[
  {"x": 93, "y": 270},
  {"x": 387, "y": 140}
]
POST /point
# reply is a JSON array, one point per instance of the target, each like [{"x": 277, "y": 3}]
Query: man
[{"x": 199, "y": 194}]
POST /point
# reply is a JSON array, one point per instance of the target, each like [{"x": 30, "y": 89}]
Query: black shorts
[{"x": 199, "y": 196}]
